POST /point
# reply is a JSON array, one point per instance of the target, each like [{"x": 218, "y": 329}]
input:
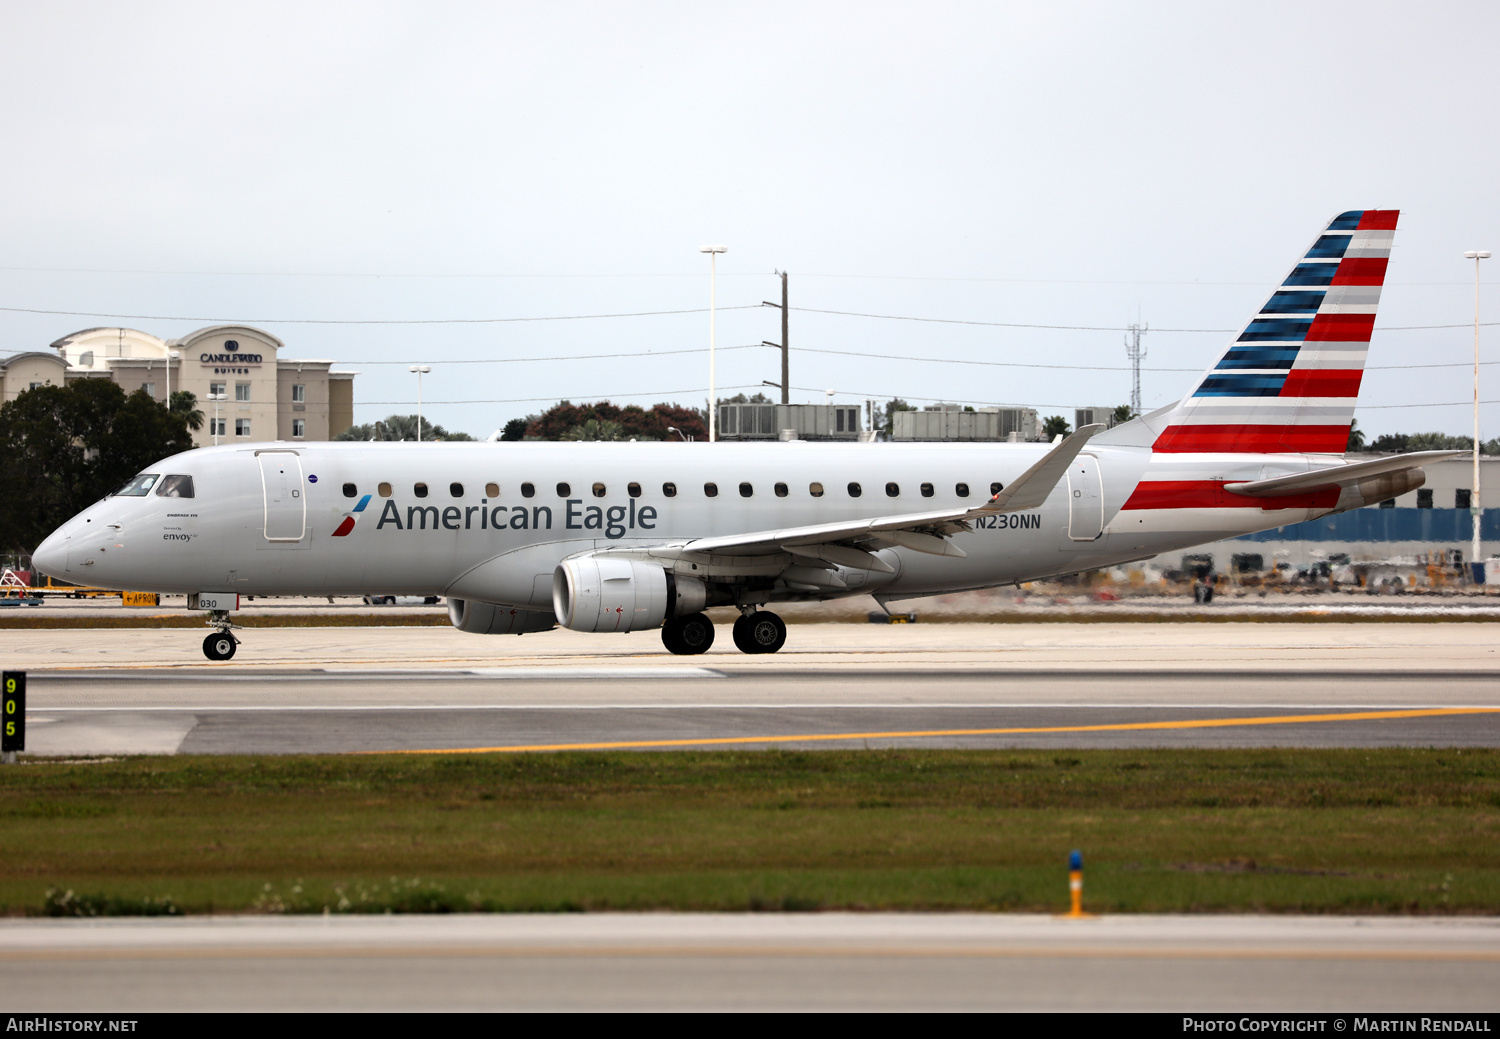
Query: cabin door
[
  {"x": 286, "y": 505},
  {"x": 1085, "y": 499}
]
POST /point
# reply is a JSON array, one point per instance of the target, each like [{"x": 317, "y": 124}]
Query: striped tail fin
[{"x": 1289, "y": 382}]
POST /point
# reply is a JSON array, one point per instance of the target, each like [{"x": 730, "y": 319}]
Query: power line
[
  {"x": 1092, "y": 328},
  {"x": 372, "y": 321},
  {"x": 502, "y": 275},
  {"x": 553, "y": 397}
]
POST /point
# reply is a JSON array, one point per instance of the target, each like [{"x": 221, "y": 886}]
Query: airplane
[{"x": 623, "y": 537}]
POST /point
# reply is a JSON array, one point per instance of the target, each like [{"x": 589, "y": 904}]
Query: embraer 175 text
[{"x": 625, "y": 537}]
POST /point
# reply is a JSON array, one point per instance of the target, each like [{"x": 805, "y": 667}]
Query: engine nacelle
[
  {"x": 1376, "y": 489},
  {"x": 594, "y": 594},
  {"x": 482, "y": 618}
]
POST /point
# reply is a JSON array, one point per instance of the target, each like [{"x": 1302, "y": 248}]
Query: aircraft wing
[
  {"x": 850, "y": 542},
  {"x": 1337, "y": 475}
]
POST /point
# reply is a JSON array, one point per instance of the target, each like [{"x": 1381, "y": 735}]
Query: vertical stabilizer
[{"x": 1289, "y": 382}]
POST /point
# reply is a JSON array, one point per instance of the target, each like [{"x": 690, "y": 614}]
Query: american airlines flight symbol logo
[{"x": 350, "y": 516}]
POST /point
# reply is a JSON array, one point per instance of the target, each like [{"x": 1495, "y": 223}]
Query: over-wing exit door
[
  {"x": 1085, "y": 499},
  {"x": 286, "y": 506}
]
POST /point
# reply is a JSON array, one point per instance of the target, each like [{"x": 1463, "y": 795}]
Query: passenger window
[
  {"x": 563, "y": 490},
  {"x": 893, "y": 490},
  {"x": 492, "y": 490},
  {"x": 351, "y": 491},
  {"x": 711, "y": 490},
  {"x": 385, "y": 490},
  {"x": 456, "y": 490},
  {"x": 175, "y": 487},
  {"x": 598, "y": 490},
  {"x": 669, "y": 490},
  {"x": 746, "y": 490},
  {"x": 961, "y": 489},
  {"x": 138, "y": 487},
  {"x": 781, "y": 491},
  {"x": 419, "y": 489},
  {"x": 855, "y": 490},
  {"x": 528, "y": 490},
  {"x": 815, "y": 489},
  {"x": 633, "y": 489},
  {"x": 927, "y": 490}
]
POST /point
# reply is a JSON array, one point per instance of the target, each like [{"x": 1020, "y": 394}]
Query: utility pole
[
  {"x": 1135, "y": 351},
  {"x": 1476, "y": 507},
  {"x": 786, "y": 368}
]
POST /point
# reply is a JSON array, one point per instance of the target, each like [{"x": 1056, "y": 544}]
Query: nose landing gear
[
  {"x": 221, "y": 644},
  {"x": 759, "y": 631}
]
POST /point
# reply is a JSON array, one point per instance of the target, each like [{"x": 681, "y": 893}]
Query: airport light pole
[
  {"x": 419, "y": 370},
  {"x": 1476, "y": 508},
  {"x": 713, "y": 405}
]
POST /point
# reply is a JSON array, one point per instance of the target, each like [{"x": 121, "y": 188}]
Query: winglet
[{"x": 1031, "y": 488}]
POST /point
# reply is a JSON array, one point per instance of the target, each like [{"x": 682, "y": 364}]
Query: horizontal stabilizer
[
  {"x": 1031, "y": 488},
  {"x": 1337, "y": 475}
]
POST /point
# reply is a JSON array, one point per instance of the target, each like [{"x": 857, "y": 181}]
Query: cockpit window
[
  {"x": 139, "y": 487},
  {"x": 175, "y": 487}
]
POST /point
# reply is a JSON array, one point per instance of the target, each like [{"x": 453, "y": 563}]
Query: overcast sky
[{"x": 1057, "y": 164}]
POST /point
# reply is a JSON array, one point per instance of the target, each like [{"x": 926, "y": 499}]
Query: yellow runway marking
[{"x": 1199, "y": 723}]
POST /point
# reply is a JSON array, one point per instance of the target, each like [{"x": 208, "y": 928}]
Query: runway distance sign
[{"x": 13, "y": 715}]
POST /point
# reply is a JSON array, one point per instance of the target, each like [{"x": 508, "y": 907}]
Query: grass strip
[{"x": 1325, "y": 831}]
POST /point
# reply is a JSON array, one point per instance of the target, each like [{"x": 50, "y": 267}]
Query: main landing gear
[
  {"x": 759, "y": 631},
  {"x": 221, "y": 644},
  {"x": 688, "y": 635},
  {"x": 756, "y": 631}
]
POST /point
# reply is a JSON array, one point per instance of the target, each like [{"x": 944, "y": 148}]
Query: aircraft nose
[{"x": 51, "y": 556}]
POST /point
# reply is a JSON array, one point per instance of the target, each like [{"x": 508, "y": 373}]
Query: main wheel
[
  {"x": 686, "y": 636},
  {"x": 742, "y": 634},
  {"x": 760, "y": 632},
  {"x": 219, "y": 646}
]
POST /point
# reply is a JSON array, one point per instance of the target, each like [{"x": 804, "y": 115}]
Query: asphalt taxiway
[{"x": 343, "y": 690}]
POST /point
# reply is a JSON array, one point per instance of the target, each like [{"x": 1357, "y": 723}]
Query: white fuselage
[{"x": 263, "y": 518}]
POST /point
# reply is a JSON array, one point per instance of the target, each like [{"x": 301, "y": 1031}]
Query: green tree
[
  {"x": 1056, "y": 426},
  {"x": 885, "y": 416},
  {"x": 568, "y": 421},
  {"x": 399, "y": 427},
  {"x": 185, "y": 403},
  {"x": 515, "y": 429},
  {"x": 1356, "y": 437},
  {"x": 62, "y": 448},
  {"x": 1122, "y": 413}
]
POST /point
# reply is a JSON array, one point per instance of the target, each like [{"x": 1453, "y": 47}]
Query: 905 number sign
[{"x": 13, "y": 715}]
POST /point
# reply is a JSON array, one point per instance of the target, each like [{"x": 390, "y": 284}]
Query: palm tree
[{"x": 186, "y": 403}]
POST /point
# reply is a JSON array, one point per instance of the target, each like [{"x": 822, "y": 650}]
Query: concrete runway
[
  {"x": 960, "y": 685},
  {"x": 826, "y": 961}
]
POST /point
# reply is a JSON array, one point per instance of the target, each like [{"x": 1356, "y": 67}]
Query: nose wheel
[
  {"x": 221, "y": 644},
  {"x": 759, "y": 632}
]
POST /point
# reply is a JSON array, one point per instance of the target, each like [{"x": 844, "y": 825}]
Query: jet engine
[
  {"x": 1375, "y": 489},
  {"x": 482, "y": 618},
  {"x": 603, "y": 594}
]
